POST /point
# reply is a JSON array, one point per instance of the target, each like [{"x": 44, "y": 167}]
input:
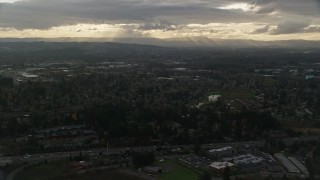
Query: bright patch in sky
[
  {"x": 114, "y": 31},
  {"x": 238, "y": 6},
  {"x": 8, "y": 1}
]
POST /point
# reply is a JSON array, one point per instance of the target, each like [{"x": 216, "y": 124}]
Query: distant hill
[
  {"x": 181, "y": 42},
  {"x": 34, "y": 50},
  {"x": 89, "y": 47}
]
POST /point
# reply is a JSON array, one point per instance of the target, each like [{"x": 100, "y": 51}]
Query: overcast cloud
[{"x": 287, "y": 16}]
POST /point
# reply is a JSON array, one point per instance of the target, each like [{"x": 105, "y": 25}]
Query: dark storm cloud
[
  {"x": 288, "y": 7},
  {"x": 290, "y": 27},
  {"x": 152, "y": 14},
  {"x": 264, "y": 6},
  {"x": 45, "y": 14}
]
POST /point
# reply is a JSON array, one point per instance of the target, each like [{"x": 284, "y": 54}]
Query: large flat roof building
[
  {"x": 286, "y": 163},
  {"x": 221, "y": 166},
  {"x": 299, "y": 165}
]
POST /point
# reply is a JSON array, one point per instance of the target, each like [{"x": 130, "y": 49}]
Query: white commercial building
[
  {"x": 220, "y": 166},
  {"x": 299, "y": 165},
  {"x": 286, "y": 163}
]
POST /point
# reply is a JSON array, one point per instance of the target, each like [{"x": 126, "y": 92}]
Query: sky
[{"x": 265, "y": 20}]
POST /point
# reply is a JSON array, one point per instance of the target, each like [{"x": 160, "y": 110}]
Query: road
[
  {"x": 34, "y": 158},
  {"x": 95, "y": 152}
]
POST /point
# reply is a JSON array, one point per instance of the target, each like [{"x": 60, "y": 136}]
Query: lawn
[
  {"x": 104, "y": 175},
  {"x": 63, "y": 171},
  {"x": 215, "y": 93},
  {"x": 235, "y": 93},
  {"x": 239, "y": 93},
  {"x": 179, "y": 172}
]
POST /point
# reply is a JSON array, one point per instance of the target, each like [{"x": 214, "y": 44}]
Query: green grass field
[
  {"x": 239, "y": 93},
  {"x": 62, "y": 171},
  {"x": 215, "y": 93},
  {"x": 235, "y": 93},
  {"x": 104, "y": 175},
  {"x": 179, "y": 172}
]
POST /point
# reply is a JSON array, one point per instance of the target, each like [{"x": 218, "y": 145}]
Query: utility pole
[
  {"x": 107, "y": 148},
  {"x": 106, "y": 138}
]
